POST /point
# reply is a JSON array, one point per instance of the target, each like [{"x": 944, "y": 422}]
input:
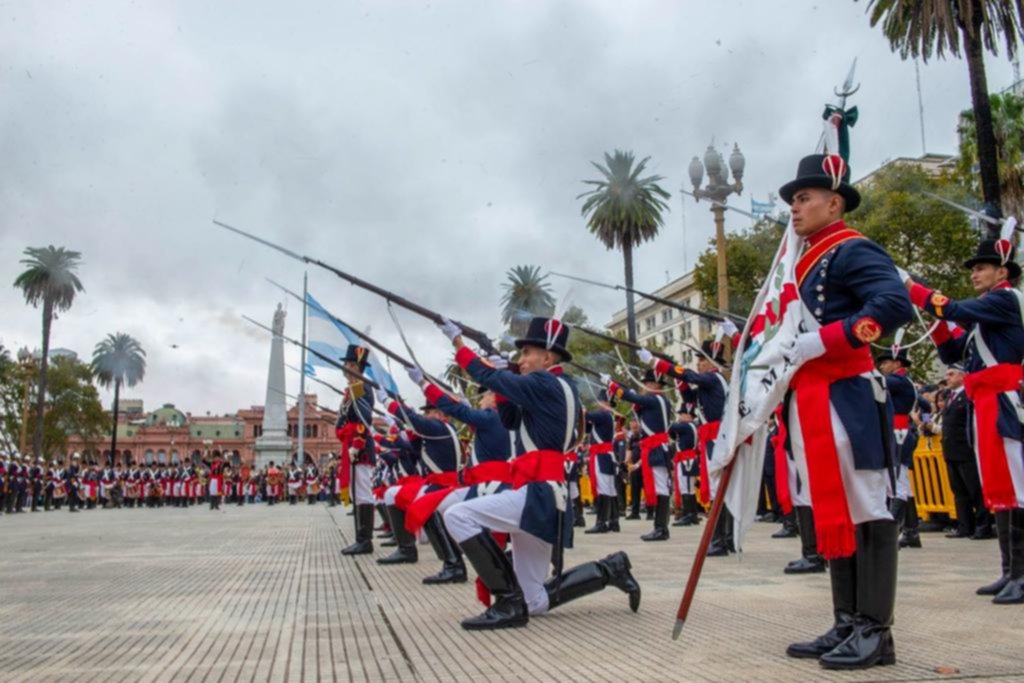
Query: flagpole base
[{"x": 678, "y": 628}]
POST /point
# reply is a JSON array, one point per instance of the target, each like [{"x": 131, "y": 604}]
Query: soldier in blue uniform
[
  {"x": 992, "y": 351},
  {"x": 893, "y": 363},
  {"x": 838, "y": 424},
  {"x": 653, "y": 412},
  {"x": 439, "y": 464},
  {"x": 601, "y": 434},
  {"x": 543, "y": 406},
  {"x": 687, "y": 466},
  {"x": 709, "y": 389},
  {"x": 353, "y": 429},
  {"x": 487, "y": 471}
]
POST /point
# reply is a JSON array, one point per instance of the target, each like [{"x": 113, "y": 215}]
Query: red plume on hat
[
  {"x": 1004, "y": 245},
  {"x": 834, "y": 167}
]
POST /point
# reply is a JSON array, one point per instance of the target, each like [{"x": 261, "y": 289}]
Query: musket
[
  {"x": 584, "y": 368},
  {"x": 664, "y": 302},
  {"x": 730, "y": 207},
  {"x": 621, "y": 342},
  {"x": 365, "y": 337},
  {"x": 702, "y": 550},
  {"x": 472, "y": 333},
  {"x": 327, "y": 359},
  {"x": 969, "y": 211}
]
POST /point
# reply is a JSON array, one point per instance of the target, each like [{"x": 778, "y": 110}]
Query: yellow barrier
[{"x": 930, "y": 480}]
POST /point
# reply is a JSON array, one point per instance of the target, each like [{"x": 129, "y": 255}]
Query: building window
[
  {"x": 666, "y": 316},
  {"x": 315, "y": 431},
  {"x": 649, "y": 322},
  {"x": 149, "y": 457},
  {"x": 638, "y": 330},
  {"x": 236, "y": 459},
  {"x": 161, "y": 457},
  {"x": 668, "y": 337},
  {"x": 218, "y": 433},
  {"x": 705, "y": 327},
  {"x": 257, "y": 431},
  {"x": 174, "y": 457},
  {"x": 687, "y": 332},
  {"x": 687, "y": 356}
]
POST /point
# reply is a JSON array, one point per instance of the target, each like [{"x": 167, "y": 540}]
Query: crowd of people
[{"x": 27, "y": 486}]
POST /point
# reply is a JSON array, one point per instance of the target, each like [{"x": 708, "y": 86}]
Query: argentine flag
[{"x": 331, "y": 338}]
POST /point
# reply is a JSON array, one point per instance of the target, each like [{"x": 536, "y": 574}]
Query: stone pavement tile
[{"x": 261, "y": 594}]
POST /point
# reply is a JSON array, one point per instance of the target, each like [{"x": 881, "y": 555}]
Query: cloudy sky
[{"x": 425, "y": 146}]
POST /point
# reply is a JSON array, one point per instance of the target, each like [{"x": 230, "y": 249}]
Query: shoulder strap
[{"x": 811, "y": 257}]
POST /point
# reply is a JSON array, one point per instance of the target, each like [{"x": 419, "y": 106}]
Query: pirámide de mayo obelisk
[{"x": 275, "y": 444}]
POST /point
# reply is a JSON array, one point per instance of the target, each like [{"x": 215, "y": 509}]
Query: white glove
[
  {"x": 389, "y": 419},
  {"x": 807, "y": 346},
  {"x": 381, "y": 396},
  {"x": 498, "y": 361},
  {"x": 449, "y": 329},
  {"x": 605, "y": 379},
  {"x": 904, "y": 275},
  {"x": 645, "y": 356},
  {"x": 415, "y": 374},
  {"x": 729, "y": 327}
]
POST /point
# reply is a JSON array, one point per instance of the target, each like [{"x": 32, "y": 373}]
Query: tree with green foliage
[
  {"x": 1008, "y": 126},
  {"x": 72, "y": 407},
  {"x": 623, "y": 210},
  {"x": 11, "y": 393},
  {"x": 749, "y": 254},
  {"x": 527, "y": 294},
  {"x": 921, "y": 28},
  {"x": 50, "y": 280},
  {"x": 118, "y": 360}
]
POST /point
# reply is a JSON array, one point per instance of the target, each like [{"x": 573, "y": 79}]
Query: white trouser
[
  {"x": 1014, "y": 461},
  {"x": 902, "y": 483},
  {"x": 389, "y": 495},
  {"x": 865, "y": 489},
  {"x": 605, "y": 484},
  {"x": 685, "y": 482},
  {"x": 214, "y": 491},
  {"x": 363, "y": 487},
  {"x": 574, "y": 490},
  {"x": 660, "y": 480},
  {"x": 501, "y": 512}
]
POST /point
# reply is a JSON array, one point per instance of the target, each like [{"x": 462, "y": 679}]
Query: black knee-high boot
[
  {"x": 601, "y": 506},
  {"x": 578, "y": 520},
  {"x": 495, "y": 571},
  {"x": 1003, "y": 536},
  {"x": 843, "y": 576},
  {"x": 406, "y": 552},
  {"x": 592, "y": 577},
  {"x": 871, "y": 642},
  {"x": 660, "y": 532},
  {"x": 1013, "y": 592},
  {"x": 910, "y": 537},
  {"x": 613, "y": 514},
  {"x": 719, "y": 546},
  {"x": 810, "y": 561},
  {"x": 364, "y": 532},
  {"x": 454, "y": 569}
]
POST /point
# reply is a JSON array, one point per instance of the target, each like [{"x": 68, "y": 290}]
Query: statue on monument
[{"x": 278, "y": 324}]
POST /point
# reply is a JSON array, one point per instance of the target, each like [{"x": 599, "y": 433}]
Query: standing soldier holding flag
[{"x": 353, "y": 430}]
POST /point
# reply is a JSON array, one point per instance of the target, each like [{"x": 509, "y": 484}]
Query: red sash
[
  {"x": 536, "y": 466},
  {"x": 832, "y": 522},
  {"x": 594, "y": 450},
  {"x": 419, "y": 511},
  {"x": 781, "y": 465},
  {"x": 488, "y": 471},
  {"x": 647, "y": 444},
  {"x": 407, "y": 491},
  {"x": 983, "y": 388},
  {"x": 706, "y": 434},
  {"x": 681, "y": 456}
]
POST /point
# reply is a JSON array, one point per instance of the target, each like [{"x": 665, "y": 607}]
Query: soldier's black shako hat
[
  {"x": 900, "y": 356},
  {"x": 707, "y": 347},
  {"x": 360, "y": 355},
  {"x": 828, "y": 172},
  {"x": 651, "y": 376},
  {"x": 547, "y": 333},
  {"x": 999, "y": 253}
]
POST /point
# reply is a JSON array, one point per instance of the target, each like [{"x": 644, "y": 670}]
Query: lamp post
[
  {"x": 717, "y": 191},
  {"x": 26, "y": 361}
]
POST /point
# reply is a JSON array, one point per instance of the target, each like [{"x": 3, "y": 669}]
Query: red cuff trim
[
  {"x": 833, "y": 336},
  {"x": 498, "y": 398},
  {"x": 919, "y": 295},
  {"x": 464, "y": 357},
  {"x": 432, "y": 393},
  {"x": 662, "y": 366},
  {"x": 393, "y": 407},
  {"x": 941, "y": 334}
]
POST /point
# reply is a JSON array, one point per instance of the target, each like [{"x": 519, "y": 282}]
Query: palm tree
[
  {"x": 623, "y": 210},
  {"x": 526, "y": 294},
  {"x": 119, "y": 360},
  {"x": 1008, "y": 126},
  {"x": 919, "y": 28},
  {"x": 50, "y": 279}
]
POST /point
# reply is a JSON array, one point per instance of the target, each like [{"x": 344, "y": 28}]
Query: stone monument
[{"x": 275, "y": 444}]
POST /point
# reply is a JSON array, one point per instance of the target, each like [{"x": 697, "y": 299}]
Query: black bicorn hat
[
  {"x": 825, "y": 171},
  {"x": 894, "y": 353},
  {"x": 360, "y": 355},
  {"x": 713, "y": 351},
  {"x": 999, "y": 252},
  {"x": 547, "y": 333},
  {"x": 651, "y": 376}
]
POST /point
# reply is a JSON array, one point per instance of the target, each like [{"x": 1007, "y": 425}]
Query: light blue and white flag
[
  {"x": 761, "y": 209},
  {"x": 331, "y": 338}
]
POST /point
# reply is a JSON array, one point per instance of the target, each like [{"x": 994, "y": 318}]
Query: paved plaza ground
[{"x": 260, "y": 593}]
